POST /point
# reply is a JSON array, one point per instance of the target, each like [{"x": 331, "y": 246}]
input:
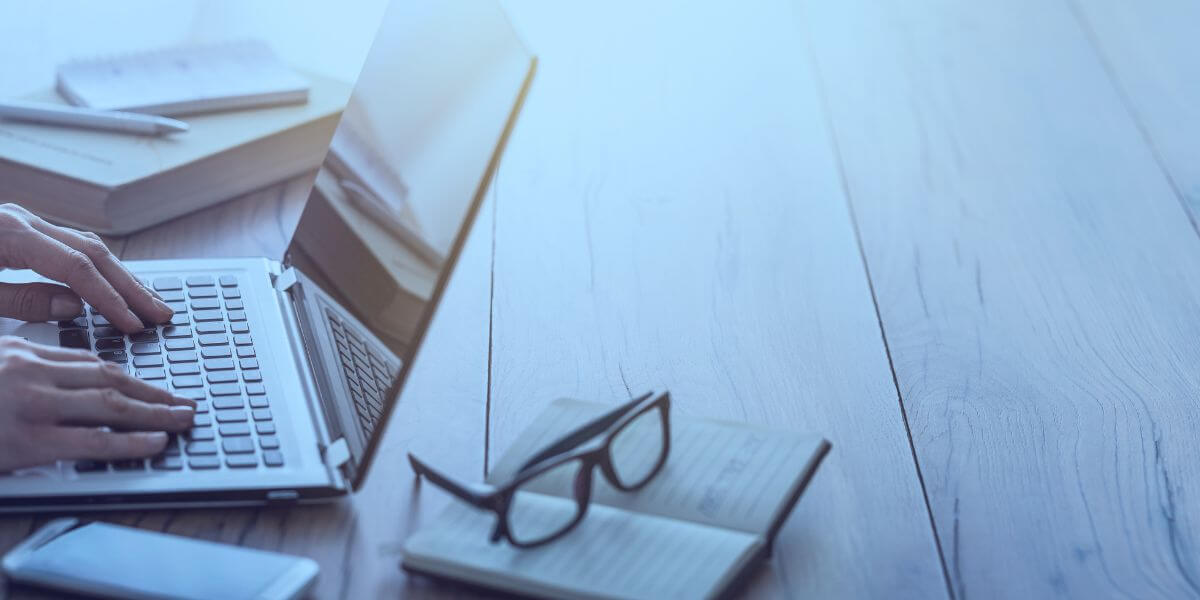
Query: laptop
[{"x": 296, "y": 362}]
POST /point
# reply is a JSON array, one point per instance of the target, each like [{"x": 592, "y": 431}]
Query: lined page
[
  {"x": 610, "y": 554},
  {"x": 718, "y": 473}
]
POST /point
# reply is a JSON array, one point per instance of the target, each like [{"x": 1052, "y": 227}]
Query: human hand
[
  {"x": 54, "y": 401},
  {"x": 81, "y": 261}
]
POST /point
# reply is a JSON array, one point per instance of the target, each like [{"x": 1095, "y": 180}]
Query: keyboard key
[
  {"x": 218, "y": 364},
  {"x": 194, "y": 448},
  {"x": 179, "y": 344},
  {"x": 239, "y": 327},
  {"x": 201, "y": 421},
  {"x": 214, "y": 339},
  {"x": 129, "y": 464},
  {"x": 166, "y": 463},
  {"x": 204, "y": 462},
  {"x": 206, "y": 304},
  {"x": 228, "y": 281},
  {"x": 234, "y": 305},
  {"x": 117, "y": 356},
  {"x": 222, "y": 402},
  {"x": 196, "y": 394},
  {"x": 231, "y": 293},
  {"x": 237, "y": 315},
  {"x": 245, "y": 351},
  {"x": 177, "y": 332},
  {"x": 180, "y": 319},
  {"x": 182, "y": 356},
  {"x": 265, "y": 427},
  {"x": 142, "y": 349},
  {"x": 222, "y": 377},
  {"x": 185, "y": 369},
  {"x": 198, "y": 293},
  {"x": 178, "y": 307},
  {"x": 151, "y": 374},
  {"x": 252, "y": 375},
  {"x": 144, "y": 337},
  {"x": 172, "y": 296},
  {"x": 249, "y": 363},
  {"x": 230, "y": 416},
  {"x": 234, "y": 429},
  {"x": 101, "y": 321},
  {"x": 210, "y": 328},
  {"x": 148, "y": 361},
  {"x": 110, "y": 344},
  {"x": 241, "y": 461},
  {"x": 261, "y": 414},
  {"x": 225, "y": 389},
  {"x": 74, "y": 338},
  {"x": 243, "y": 339},
  {"x": 256, "y": 389},
  {"x": 201, "y": 316},
  {"x": 237, "y": 445},
  {"x": 166, "y": 284},
  {"x": 215, "y": 352},
  {"x": 201, "y": 403},
  {"x": 90, "y": 466},
  {"x": 273, "y": 458},
  {"x": 76, "y": 323},
  {"x": 188, "y": 381},
  {"x": 200, "y": 434},
  {"x": 259, "y": 402},
  {"x": 200, "y": 281}
]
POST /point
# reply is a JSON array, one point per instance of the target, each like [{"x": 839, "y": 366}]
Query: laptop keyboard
[
  {"x": 205, "y": 353},
  {"x": 368, "y": 375}
]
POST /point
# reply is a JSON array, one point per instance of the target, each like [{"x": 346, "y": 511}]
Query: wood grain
[
  {"x": 1038, "y": 284},
  {"x": 669, "y": 216},
  {"x": 1150, "y": 51}
]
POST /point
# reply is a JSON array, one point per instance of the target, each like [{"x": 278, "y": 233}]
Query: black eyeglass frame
[{"x": 576, "y": 445}]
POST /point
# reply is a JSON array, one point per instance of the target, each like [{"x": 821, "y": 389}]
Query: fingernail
[
  {"x": 182, "y": 414},
  {"x": 65, "y": 306}
]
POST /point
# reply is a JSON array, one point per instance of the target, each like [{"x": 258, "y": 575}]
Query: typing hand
[
  {"x": 53, "y": 402},
  {"x": 78, "y": 259}
]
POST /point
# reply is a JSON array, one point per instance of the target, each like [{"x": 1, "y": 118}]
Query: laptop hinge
[
  {"x": 336, "y": 454},
  {"x": 286, "y": 280}
]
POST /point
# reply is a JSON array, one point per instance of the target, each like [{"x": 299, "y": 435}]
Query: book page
[
  {"x": 717, "y": 473},
  {"x": 610, "y": 554}
]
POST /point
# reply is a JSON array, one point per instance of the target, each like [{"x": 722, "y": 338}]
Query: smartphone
[{"x": 121, "y": 562}]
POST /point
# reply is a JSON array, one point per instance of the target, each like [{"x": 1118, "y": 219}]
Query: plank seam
[{"x": 826, "y": 116}]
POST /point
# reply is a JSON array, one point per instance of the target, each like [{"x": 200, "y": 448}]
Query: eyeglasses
[{"x": 630, "y": 445}]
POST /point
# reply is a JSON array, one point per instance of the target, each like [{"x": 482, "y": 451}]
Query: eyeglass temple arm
[
  {"x": 446, "y": 483},
  {"x": 586, "y": 432}
]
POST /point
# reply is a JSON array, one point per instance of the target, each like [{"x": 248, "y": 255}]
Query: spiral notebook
[{"x": 184, "y": 80}]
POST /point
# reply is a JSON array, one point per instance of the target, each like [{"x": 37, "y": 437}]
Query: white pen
[{"x": 90, "y": 118}]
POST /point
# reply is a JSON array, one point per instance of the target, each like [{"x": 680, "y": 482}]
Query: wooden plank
[
  {"x": 669, "y": 216},
  {"x": 1038, "y": 284},
  {"x": 1149, "y": 49},
  {"x": 257, "y": 224},
  {"x": 357, "y": 541}
]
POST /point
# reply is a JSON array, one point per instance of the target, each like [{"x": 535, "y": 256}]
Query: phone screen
[{"x": 143, "y": 563}]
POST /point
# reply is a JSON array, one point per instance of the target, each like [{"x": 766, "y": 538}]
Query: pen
[{"x": 91, "y": 118}]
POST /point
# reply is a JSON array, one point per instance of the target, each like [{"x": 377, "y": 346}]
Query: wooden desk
[{"x": 954, "y": 237}]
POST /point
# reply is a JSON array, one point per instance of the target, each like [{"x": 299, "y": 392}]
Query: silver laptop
[{"x": 296, "y": 363}]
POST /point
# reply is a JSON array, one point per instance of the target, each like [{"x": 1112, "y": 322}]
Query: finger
[
  {"x": 38, "y": 302},
  {"x": 93, "y": 443},
  {"x": 61, "y": 262},
  {"x": 102, "y": 374},
  {"x": 55, "y": 353},
  {"x": 140, "y": 299},
  {"x": 107, "y": 406}
]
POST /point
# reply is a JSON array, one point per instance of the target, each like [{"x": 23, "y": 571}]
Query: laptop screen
[{"x": 408, "y": 167}]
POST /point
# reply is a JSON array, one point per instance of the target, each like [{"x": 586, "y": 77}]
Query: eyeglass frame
[{"x": 572, "y": 446}]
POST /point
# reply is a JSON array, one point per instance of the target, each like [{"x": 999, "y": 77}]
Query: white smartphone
[{"x": 121, "y": 562}]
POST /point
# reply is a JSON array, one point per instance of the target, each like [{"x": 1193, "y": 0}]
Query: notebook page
[
  {"x": 610, "y": 554},
  {"x": 718, "y": 473}
]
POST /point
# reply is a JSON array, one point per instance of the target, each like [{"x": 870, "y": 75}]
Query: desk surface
[{"x": 956, "y": 238}]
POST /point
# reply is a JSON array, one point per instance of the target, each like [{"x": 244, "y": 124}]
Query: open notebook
[{"x": 694, "y": 531}]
